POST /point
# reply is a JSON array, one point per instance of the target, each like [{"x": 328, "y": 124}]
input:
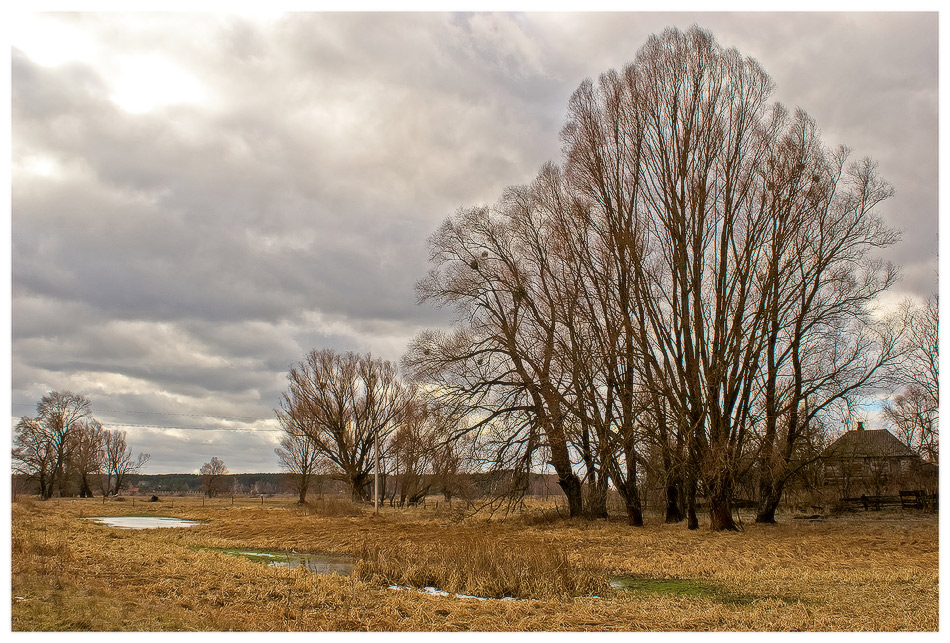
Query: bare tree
[
  {"x": 88, "y": 455},
  {"x": 450, "y": 468},
  {"x": 915, "y": 411},
  {"x": 345, "y": 404},
  {"x": 823, "y": 347},
  {"x": 669, "y": 149},
  {"x": 501, "y": 364},
  {"x": 118, "y": 461},
  {"x": 914, "y": 415},
  {"x": 298, "y": 455},
  {"x": 44, "y": 444},
  {"x": 213, "y": 477},
  {"x": 34, "y": 455},
  {"x": 414, "y": 448},
  {"x": 746, "y": 248}
]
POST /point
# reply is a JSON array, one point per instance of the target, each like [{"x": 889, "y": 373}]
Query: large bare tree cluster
[
  {"x": 690, "y": 291},
  {"x": 689, "y": 297},
  {"x": 66, "y": 452}
]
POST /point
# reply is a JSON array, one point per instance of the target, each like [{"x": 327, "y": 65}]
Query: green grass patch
[{"x": 679, "y": 587}]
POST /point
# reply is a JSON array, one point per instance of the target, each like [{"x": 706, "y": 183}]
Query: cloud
[{"x": 270, "y": 186}]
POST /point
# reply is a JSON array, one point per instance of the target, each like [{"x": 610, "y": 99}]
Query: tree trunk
[
  {"x": 566, "y": 478},
  {"x": 673, "y": 512},
  {"x": 571, "y": 486},
  {"x": 767, "y": 506},
  {"x": 774, "y": 484},
  {"x": 597, "y": 499},
  {"x": 358, "y": 483},
  {"x": 627, "y": 487},
  {"x": 720, "y": 506},
  {"x": 61, "y": 481},
  {"x": 692, "y": 521},
  {"x": 631, "y": 499},
  {"x": 84, "y": 490},
  {"x": 46, "y": 487}
]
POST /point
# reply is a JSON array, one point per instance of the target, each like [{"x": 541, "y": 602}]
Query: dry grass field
[{"x": 854, "y": 573}]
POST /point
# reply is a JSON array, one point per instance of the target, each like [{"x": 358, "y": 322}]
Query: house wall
[{"x": 873, "y": 476}]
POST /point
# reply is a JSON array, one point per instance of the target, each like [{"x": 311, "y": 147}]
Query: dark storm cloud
[{"x": 177, "y": 259}]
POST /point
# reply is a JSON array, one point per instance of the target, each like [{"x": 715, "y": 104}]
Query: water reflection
[
  {"x": 314, "y": 563},
  {"x": 143, "y": 522}
]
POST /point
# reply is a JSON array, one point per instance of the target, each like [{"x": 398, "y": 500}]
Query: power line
[
  {"x": 190, "y": 428},
  {"x": 189, "y": 415},
  {"x": 161, "y": 413},
  {"x": 181, "y": 428}
]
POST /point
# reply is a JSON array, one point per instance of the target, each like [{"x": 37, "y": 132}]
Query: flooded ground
[
  {"x": 144, "y": 522},
  {"x": 314, "y": 563}
]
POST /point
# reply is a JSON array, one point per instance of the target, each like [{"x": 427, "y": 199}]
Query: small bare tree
[
  {"x": 213, "y": 477},
  {"x": 345, "y": 405},
  {"x": 118, "y": 461},
  {"x": 298, "y": 455},
  {"x": 33, "y": 454},
  {"x": 88, "y": 455}
]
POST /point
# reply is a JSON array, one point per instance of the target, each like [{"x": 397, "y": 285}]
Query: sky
[{"x": 198, "y": 200}]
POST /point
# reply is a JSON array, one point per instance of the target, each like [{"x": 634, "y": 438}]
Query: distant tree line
[
  {"x": 238, "y": 483},
  {"x": 64, "y": 451}
]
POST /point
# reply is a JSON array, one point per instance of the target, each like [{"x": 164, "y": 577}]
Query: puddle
[
  {"x": 314, "y": 563},
  {"x": 144, "y": 522},
  {"x": 439, "y": 592}
]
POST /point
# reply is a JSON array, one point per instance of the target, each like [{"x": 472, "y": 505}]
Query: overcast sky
[{"x": 200, "y": 200}]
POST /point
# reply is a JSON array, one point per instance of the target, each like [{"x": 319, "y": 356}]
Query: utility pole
[{"x": 376, "y": 449}]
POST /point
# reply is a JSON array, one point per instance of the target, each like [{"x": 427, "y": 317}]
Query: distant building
[{"x": 875, "y": 463}]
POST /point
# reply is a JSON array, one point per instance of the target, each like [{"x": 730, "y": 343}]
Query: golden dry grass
[
  {"x": 857, "y": 573},
  {"x": 480, "y": 565}
]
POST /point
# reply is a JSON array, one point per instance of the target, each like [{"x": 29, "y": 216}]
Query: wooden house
[{"x": 874, "y": 463}]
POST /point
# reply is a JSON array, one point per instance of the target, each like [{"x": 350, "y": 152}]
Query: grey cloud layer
[{"x": 179, "y": 260}]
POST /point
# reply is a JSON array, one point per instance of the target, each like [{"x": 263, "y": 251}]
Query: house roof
[{"x": 874, "y": 443}]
